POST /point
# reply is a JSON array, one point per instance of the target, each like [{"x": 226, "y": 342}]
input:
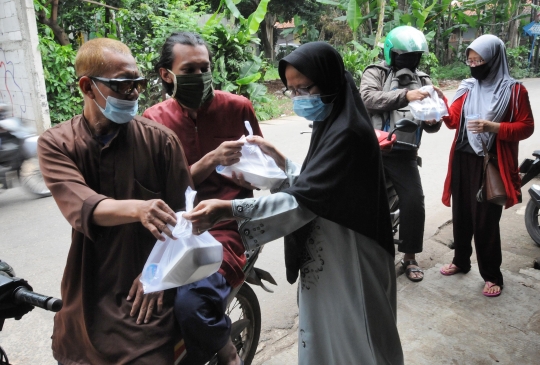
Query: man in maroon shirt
[{"x": 209, "y": 124}]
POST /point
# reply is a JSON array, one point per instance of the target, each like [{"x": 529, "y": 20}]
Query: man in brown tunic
[{"x": 118, "y": 179}]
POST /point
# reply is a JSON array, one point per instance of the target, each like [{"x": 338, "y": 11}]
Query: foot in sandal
[
  {"x": 491, "y": 289},
  {"x": 412, "y": 270},
  {"x": 450, "y": 269}
]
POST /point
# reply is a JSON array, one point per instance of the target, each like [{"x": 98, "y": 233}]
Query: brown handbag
[{"x": 492, "y": 189}]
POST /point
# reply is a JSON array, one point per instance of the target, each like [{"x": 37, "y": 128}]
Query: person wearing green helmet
[{"x": 386, "y": 89}]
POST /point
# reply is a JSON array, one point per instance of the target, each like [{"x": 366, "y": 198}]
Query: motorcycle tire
[
  {"x": 531, "y": 221},
  {"x": 32, "y": 179},
  {"x": 245, "y": 305}
]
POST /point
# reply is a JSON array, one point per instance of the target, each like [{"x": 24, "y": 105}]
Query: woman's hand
[
  {"x": 439, "y": 92},
  {"x": 482, "y": 125},
  {"x": 207, "y": 213},
  {"x": 269, "y": 149},
  {"x": 239, "y": 180}
]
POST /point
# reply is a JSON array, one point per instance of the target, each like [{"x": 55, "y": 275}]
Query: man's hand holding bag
[{"x": 188, "y": 258}]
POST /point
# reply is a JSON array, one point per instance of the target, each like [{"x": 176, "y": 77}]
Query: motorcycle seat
[{"x": 536, "y": 153}]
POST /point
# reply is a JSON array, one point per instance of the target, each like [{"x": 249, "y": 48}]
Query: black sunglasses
[{"x": 123, "y": 86}]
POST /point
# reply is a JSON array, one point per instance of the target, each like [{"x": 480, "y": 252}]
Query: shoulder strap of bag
[{"x": 487, "y": 157}]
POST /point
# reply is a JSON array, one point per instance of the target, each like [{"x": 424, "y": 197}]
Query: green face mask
[{"x": 193, "y": 90}]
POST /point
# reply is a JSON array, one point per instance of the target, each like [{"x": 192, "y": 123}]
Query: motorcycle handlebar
[
  {"x": 23, "y": 295},
  {"x": 407, "y": 144}
]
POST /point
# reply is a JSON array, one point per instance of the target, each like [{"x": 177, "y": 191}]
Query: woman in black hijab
[{"x": 334, "y": 214}]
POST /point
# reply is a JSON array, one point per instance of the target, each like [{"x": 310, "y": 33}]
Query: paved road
[{"x": 35, "y": 240}]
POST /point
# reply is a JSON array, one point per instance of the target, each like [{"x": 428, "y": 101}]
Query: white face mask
[{"x": 117, "y": 110}]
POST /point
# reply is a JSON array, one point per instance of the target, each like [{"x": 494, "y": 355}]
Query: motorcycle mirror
[{"x": 403, "y": 125}]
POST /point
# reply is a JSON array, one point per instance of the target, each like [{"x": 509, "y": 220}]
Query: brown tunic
[{"x": 143, "y": 160}]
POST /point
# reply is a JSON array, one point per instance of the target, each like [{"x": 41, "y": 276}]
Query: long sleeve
[
  {"x": 73, "y": 196},
  {"x": 522, "y": 125},
  {"x": 264, "y": 219},
  {"x": 376, "y": 100},
  {"x": 454, "y": 118},
  {"x": 269, "y": 217}
]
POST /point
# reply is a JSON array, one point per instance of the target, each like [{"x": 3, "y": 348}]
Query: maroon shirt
[
  {"x": 220, "y": 120},
  {"x": 144, "y": 161}
]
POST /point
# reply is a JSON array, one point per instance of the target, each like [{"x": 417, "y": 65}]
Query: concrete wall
[{"x": 22, "y": 84}]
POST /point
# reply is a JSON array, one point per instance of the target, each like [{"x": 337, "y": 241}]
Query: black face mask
[
  {"x": 407, "y": 60},
  {"x": 480, "y": 72}
]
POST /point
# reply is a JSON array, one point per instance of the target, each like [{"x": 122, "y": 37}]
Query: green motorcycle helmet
[{"x": 404, "y": 39}]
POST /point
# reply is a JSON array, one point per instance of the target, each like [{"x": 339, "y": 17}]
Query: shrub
[
  {"x": 271, "y": 73},
  {"x": 428, "y": 62},
  {"x": 63, "y": 94},
  {"x": 357, "y": 57},
  {"x": 518, "y": 62},
  {"x": 455, "y": 71}
]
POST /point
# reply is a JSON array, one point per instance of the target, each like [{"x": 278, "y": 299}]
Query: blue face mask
[
  {"x": 118, "y": 110},
  {"x": 311, "y": 107}
]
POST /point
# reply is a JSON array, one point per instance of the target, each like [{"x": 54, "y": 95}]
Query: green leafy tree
[
  {"x": 63, "y": 96},
  {"x": 144, "y": 26},
  {"x": 277, "y": 10}
]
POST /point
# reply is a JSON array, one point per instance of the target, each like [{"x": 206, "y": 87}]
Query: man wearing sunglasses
[
  {"x": 118, "y": 179},
  {"x": 209, "y": 124}
]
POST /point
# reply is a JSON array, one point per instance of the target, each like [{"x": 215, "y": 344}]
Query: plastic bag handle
[
  {"x": 248, "y": 128},
  {"x": 190, "y": 198},
  {"x": 183, "y": 226}
]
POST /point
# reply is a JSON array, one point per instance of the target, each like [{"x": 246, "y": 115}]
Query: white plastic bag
[
  {"x": 259, "y": 170},
  {"x": 187, "y": 259},
  {"x": 431, "y": 108}
]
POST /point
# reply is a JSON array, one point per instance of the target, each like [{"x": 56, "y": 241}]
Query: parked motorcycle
[
  {"x": 17, "y": 299},
  {"x": 244, "y": 311},
  {"x": 18, "y": 156},
  {"x": 531, "y": 169}
]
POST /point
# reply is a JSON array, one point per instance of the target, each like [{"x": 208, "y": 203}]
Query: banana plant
[
  {"x": 353, "y": 10},
  {"x": 303, "y": 30},
  {"x": 236, "y": 66}
]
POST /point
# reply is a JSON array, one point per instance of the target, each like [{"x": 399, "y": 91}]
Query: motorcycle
[
  {"x": 17, "y": 299},
  {"x": 18, "y": 156},
  {"x": 531, "y": 169},
  {"x": 244, "y": 311}
]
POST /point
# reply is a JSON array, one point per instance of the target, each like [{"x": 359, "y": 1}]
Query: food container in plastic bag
[
  {"x": 259, "y": 169},
  {"x": 430, "y": 108},
  {"x": 187, "y": 259}
]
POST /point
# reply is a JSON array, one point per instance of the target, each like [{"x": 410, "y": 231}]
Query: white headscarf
[{"x": 490, "y": 97}]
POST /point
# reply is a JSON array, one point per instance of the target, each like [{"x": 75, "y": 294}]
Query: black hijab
[{"x": 342, "y": 176}]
